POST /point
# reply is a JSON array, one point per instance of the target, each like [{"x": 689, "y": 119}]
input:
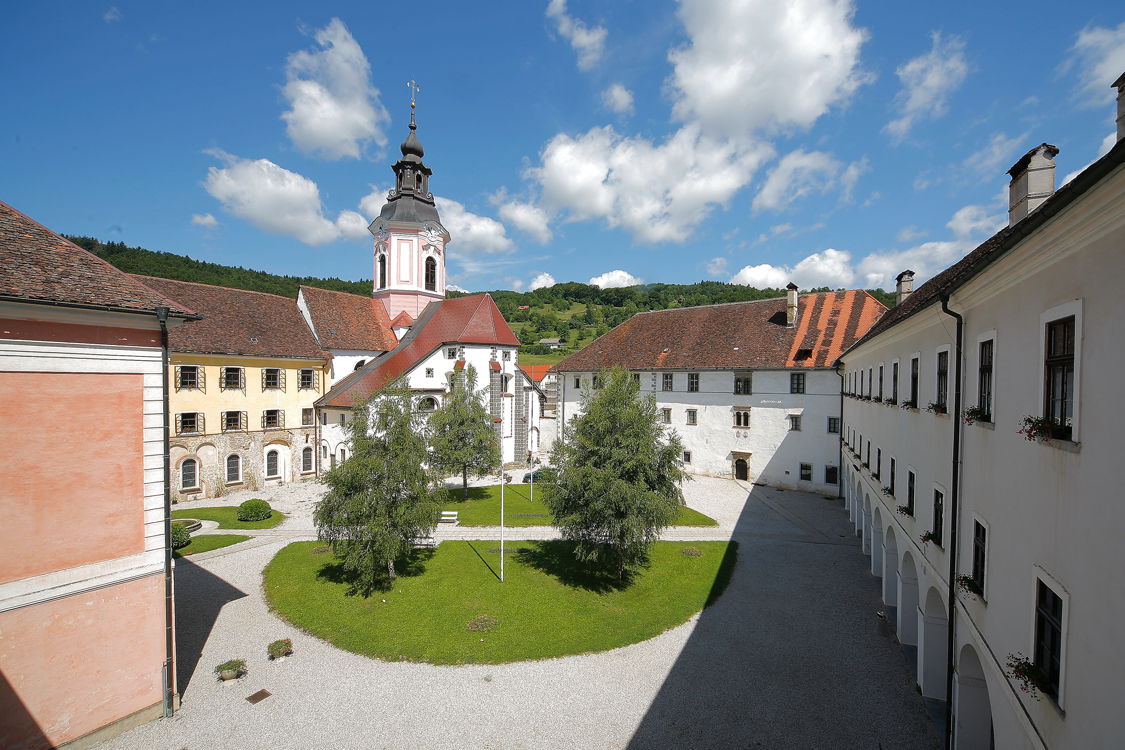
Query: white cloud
[
  {"x": 615, "y": 279},
  {"x": 455, "y": 288},
  {"x": 801, "y": 173},
  {"x": 371, "y": 204},
  {"x": 761, "y": 64},
  {"x": 927, "y": 82},
  {"x": 995, "y": 156},
  {"x": 717, "y": 267},
  {"x": 1099, "y": 54},
  {"x": 204, "y": 220},
  {"x": 541, "y": 281},
  {"x": 851, "y": 176},
  {"x": 471, "y": 232},
  {"x": 878, "y": 270},
  {"x": 971, "y": 221},
  {"x": 111, "y": 15},
  {"x": 1107, "y": 143},
  {"x": 910, "y": 233},
  {"x": 527, "y": 217},
  {"x": 830, "y": 267},
  {"x": 334, "y": 110},
  {"x": 588, "y": 43},
  {"x": 352, "y": 226},
  {"x": 618, "y": 99}
]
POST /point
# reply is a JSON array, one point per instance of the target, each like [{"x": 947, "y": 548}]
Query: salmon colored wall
[
  {"x": 73, "y": 665},
  {"x": 71, "y": 470},
  {"x": 40, "y": 330}
]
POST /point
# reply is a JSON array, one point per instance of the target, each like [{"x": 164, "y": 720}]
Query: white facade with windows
[{"x": 1037, "y": 536}]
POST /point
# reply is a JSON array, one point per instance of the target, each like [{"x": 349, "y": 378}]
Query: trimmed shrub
[
  {"x": 254, "y": 510},
  {"x": 278, "y": 649},
  {"x": 180, "y": 536}
]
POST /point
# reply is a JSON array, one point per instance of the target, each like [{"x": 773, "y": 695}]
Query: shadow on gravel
[
  {"x": 411, "y": 565},
  {"x": 200, "y": 595}
]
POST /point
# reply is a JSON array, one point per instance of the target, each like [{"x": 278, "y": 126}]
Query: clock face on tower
[
  {"x": 379, "y": 229},
  {"x": 433, "y": 231}
]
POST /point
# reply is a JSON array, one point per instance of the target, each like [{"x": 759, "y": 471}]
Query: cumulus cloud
[
  {"x": 541, "y": 281},
  {"x": 615, "y": 279},
  {"x": 455, "y": 288},
  {"x": 995, "y": 156},
  {"x": 1098, "y": 57},
  {"x": 588, "y": 43},
  {"x": 527, "y": 217},
  {"x": 206, "y": 221},
  {"x": 910, "y": 233},
  {"x": 829, "y": 267},
  {"x": 334, "y": 110},
  {"x": 717, "y": 267},
  {"x": 371, "y": 204},
  {"x": 801, "y": 173},
  {"x": 618, "y": 99},
  {"x": 352, "y": 226},
  {"x": 971, "y": 221},
  {"x": 878, "y": 270},
  {"x": 927, "y": 82},
  {"x": 111, "y": 15},
  {"x": 472, "y": 232}
]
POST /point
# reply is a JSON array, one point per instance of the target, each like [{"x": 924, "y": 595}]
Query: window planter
[
  {"x": 904, "y": 510},
  {"x": 1030, "y": 677},
  {"x": 936, "y": 408},
  {"x": 909, "y": 405},
  {"x": 928, "y": 536},
  {"x": 975, "y": 414},
  {"x": 888, "y": 492},
  {"x": 1042, "y": 429},
  {"x": 968, "y": 584},
  {"x": 891, "y": 402}
]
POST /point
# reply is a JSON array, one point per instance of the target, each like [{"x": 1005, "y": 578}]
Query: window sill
[
  {"x": 1064, "y": 445},
  {"x": 234, "y": 484},
  {"x": 188, "y": 434},
  {"x": 983, "y": 424},
  {"x": 191, "y": 490},
  {"x": 308, "y": 473}
]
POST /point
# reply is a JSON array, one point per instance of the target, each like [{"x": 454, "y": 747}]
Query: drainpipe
[
  {"x": 954, "y": 503},
  {"x": 840, "y": 437},
  {"x": 169, "y": 642}
]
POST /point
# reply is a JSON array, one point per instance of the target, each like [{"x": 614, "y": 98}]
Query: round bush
[
  {"x": 254, "y": 510},
  {"x": 180, "y": 536}
]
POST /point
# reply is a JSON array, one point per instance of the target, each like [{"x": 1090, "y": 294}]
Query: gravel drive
[{"x": 787, "y": 658}]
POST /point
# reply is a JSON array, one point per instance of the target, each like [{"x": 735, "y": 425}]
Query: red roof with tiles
[
  {"x": 402, "y": 320},
  {"x": 38, "y": 265},
  {"x": 536, "y": 373},
  {"x": 751, "y": 335},
  {"x": 463, "y": 320},
  {"x": 348, "y": 321}
]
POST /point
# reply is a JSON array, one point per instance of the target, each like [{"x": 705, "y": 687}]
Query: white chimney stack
[
  {"x": 904, "y": 286},
  {"x": 791, "y": 305},
  {"x": 1033, "y": 181},
  {"x": 1119, "y": 84}
]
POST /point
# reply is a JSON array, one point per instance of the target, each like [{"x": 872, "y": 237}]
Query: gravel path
[{"x": 788, "y": 657}]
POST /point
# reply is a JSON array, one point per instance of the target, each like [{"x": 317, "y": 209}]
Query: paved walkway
[{"x": 787, "y": 658}]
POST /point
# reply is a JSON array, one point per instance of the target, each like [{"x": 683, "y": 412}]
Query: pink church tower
[{"x": 409, "y": 237}]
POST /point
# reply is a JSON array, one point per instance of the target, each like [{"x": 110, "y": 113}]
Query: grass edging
[
  {"x": 227, "y": 517},
  {"x": 208, "y": 542}
]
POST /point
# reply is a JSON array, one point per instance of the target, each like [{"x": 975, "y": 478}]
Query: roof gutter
[{"x": 103, "y": 308}]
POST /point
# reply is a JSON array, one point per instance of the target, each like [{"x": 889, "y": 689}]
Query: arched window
[
  {"x": 343, "y": 455},
  {"x": 431, "y": 274},
  {"x": 429, "y": 403},
  {"x": 273, "y": 468},
  {"x": 307, "y": 459},
  {"x": 360, "y": 364},
  {"x": 742, "y": 418},
  {"x": 234, "y": 468},
  {"x": 505, "y": 383},
  {"x": 418, "y": 182},
  {"x": 382, "y": 271},
  {"x": 189, "y": 474}
]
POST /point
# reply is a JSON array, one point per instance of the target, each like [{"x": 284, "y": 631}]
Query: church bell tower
[{"x": 410, "y": 240}]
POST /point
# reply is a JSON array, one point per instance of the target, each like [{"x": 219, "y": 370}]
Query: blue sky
[{"x": 827, "y": 142}]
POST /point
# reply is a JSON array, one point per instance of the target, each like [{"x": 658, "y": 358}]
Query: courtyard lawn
[
  {"x": 449, "y": 607},
  {"x": 208, "y": 542},
  {"x": 483, "y": 508},
  {"x": 228, "y": 517}
]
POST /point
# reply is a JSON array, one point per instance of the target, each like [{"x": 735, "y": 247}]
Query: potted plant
[
  {"x": 891, "y": 402},
  {"x": 231, "y": 670},
  {"x": 935, "y": 408},
  {"x": 888, "y": 491},
  {"x": 908, "y": 404},
  {"x": 1039, "y": 428},
  {"x": 904, "y": 510},
  {"x": 974, "y": 414},
  {"x": 969, "y": 585},
  {"x": 928, "y": 536},
  {"x": 279, "y": 649},
  {"x": 1027, "y": 673}
]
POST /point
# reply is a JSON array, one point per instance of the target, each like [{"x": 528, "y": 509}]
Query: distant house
[
  {"x": 553, "y": 343},
  {"x": 524, "y": 307}
]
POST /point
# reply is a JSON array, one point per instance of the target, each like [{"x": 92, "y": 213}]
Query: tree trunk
[
  {"x": 391, "y": 569},
  {"x": 465, "y": 481},
  {"x": 620, "y": 566}
]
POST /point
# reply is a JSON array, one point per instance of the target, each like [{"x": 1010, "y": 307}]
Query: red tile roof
[
  {"x": 750, "y": 335},
  {"x": 37, "y": 264},
  {"x": 536, "y": 373},
  {"x": 236, "y": 321},
  {"x": 463, "y": 320},
  {"x": 349, "y": 321},
  {"x": 402, "y": 320}
]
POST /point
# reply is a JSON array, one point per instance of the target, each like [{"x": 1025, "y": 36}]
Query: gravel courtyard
[{"x": 787, "y": 658}]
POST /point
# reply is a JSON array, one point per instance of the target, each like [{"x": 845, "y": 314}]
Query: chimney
[
  {"x": 791, "y": 305},
  {"x": 1119, "y": 84},
  {"x": 904, "y": 286},
  {"x": 1033, "y": 181}
]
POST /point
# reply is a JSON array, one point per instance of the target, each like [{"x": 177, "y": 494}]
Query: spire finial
[{"x": 414, "y": 89}]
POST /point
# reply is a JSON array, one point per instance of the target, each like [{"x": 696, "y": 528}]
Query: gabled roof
[
  {"x": 750, "y": 335},
  {"x": 536, "y": 373},
  {"x": 464, "y": 320},
  {"x": 348, "y": 321},
  {"x": 402, "y": 320},
  {"x": 997, "y": 245},
  {"x": 38, "y": 265},
  {"x": 237, "y": 321}
]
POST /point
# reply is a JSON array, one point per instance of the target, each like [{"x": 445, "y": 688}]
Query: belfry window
[
  {"x": 382, "y": 271},
  {"x": 431, "y": 273}
]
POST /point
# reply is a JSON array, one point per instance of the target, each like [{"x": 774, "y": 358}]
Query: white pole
[{"x": 501, "y": 471}]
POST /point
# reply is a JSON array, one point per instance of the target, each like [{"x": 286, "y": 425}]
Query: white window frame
[
  {"x": 223, "y": 378},
  {"x": 1064, "y": 310},
  {"x": 666, "y": 416},
  {"x": 987, "y": 549},
  {"x": 949, "y": 376},
  {"x": 687, "y": 457},
  {"x": 974, "y": 369},
  {"x": 937, "y": 487},
  {"x": 312, "y": 459},
  {"x": 182, "y": 463},
  {"x": 266, "y": 462},
  {"x": 226, "y": 468},
  {"x": 300, "y": 376},
  {"x": 1039, "y": 574},
  {"x": 691, "y": 417}
]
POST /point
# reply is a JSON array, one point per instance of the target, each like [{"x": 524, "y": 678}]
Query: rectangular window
[
  {"x": 506, "y": 356},
  {"x": 324, "y": 417},
  {"x": 795, "y": 422},
  {"x": 343, "y": 418},
  {"x": 1048, "y": 636},
  {"x": 980, "y": 539},
  {"x": 742, "y": 418},
  {"x": 232, "y": 378},
  {"x": 891, "y": 477},
  {"x": 272, "y": 419},
  {"x": 867, "y": 461},
  {"x": 831, "y": 475},
  {"x": 307, "y": 460},
  {"x": 691, "y": 416},
  {"x": 234, "y": 420},
  {"x": 577, "y": 382},
  {"x": 806, "y": 472},
  {"x": 189, "y": 422},
  {"x": 1059, "y": 407},
  {"x": 869, "y": 392},
  {"x": 666, "y": 415},
  {"x": 880, "y": 396},
  {"x": 834, "y": 425},
  {"x": 878, "y": 463},
  {"x": 743, "y": 384},
  {"x": 914, "y": 382},
  {"x": 666, "y": 382},
  {"x": 942, "y": 379},
  {"x": 637, "y": 379},
  {"x": 272, "y": 379},
  {"x": 451, "y": 353},
  {"x": 910, "y": 492},
  {"x": 307, "y": 417},
  {"x": 894, "y": 382},
  {"x": 687, "y": 457},
  {"x": 188, "y": 378},
  {"x": 984, "y": 381},
  {"x": 939, "y": 517},
  {"x": 797, "y": 382},
  {"x": 693, "y": 382},
  {"x": 306, "y": 379}
]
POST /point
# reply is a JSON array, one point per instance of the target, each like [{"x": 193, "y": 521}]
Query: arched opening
[
  {"x": 931, "y": 647},
  {"x": 741, "y": 470},
  {"x": 307, "y": 460},
  {"x": 234, "y": 468},
  {"x": 273, "y": 464},
  {"x": 189, "y": 474},
  {"x": 866, "y": 524},
  {"x": 857, "y": 508},
  {"x": 359, "y": 364},
  {"x": 418, "y": 182},
  {"x": 382, "y": 263},
  {"x": 908, "y": 613},
  {"x": 877, "y": 543},
  {"x": 972, "y": 729},
  {"x": 890, "y": 569},
  {"x": 431, "y": 270},
  {"x": 429, "y": 403}
]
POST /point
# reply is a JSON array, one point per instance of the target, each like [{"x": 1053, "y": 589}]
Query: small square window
[
  {"x": 577, "y": 382},
  {"x": 691, "y": 416},
  {"x": 666, "y": 416},
  {"x": 187, "y": 377},
  {"x": 451, "y": 353},
  {"x": 795, "y": 422},
  {"x": 666, "y": 382},
  {"x": 806, "y": 472},
  {"x": 232, "y": 378},
  {"x": 797, "y": 382},
  {"x": 687, "y": 457},
  {"x": 429, "y": 372},
  {"x": 307, "y": 417},
  {"x": 271, "y": 419},
  {"x": 743, "y": 385},
  {"x": 271, "y": 378},
  {"x": 834, "y": 425},
  {"x": 232, "y": 420},
  {"x": 190, "y": 422},
  {"x": 831, "y": 475},
  {"x": 693, "y": 382},
  {"x": 506, "y": 356},
  {"x": 306, "y": 380}
]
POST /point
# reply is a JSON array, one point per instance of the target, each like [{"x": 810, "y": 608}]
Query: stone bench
[{"x": 449, "y": 517}]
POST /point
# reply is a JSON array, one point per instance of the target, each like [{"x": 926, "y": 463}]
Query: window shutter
[
  {"x": 242, "y": 420},
  {"x": 177, "y": 386},
  {"x": 179, "y": 421},
  {"x": 264, "y": 420},
  {"x": 201, "y": 378},
  {"x": 281, "y": 419},
  {"x": 199, "y": 423},
  {"x": 264, "y": 381},
  {"x": 281, "y": 379}
]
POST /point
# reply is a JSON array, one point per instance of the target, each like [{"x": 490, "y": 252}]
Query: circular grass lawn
[{"x": 448, "y": 605}]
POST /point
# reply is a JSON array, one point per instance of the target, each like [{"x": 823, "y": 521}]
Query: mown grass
[
  {"x": 208, "y": 542},
  {"x": 548, "y": 605},
  {"x": 483, "y": 508},
  {"x": 542, "y": 359},
  {"x": 228, "y": 517}
]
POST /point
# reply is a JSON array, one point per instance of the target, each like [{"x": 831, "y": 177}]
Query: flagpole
[{"x": 502, "y": 373}]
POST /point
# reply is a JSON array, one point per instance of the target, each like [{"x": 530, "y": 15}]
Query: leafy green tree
[
  {"x": 462, "y": 440},
  {"x": 619, "y": 475},
  {"x": 382, "y": 498}
]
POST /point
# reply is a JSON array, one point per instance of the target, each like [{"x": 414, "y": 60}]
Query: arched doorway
[
  {"x": 890, "y": 569},
  {"x": 857, "y": 509},
  {"x": 908, "y": 613},
  {"x": 877, "y": 543},
  {"x": 741, "y": 469},
  {"x": 931, "y": 646},
  {"x": 973, "y": 713},
  {"x": 866, "y": 524}
]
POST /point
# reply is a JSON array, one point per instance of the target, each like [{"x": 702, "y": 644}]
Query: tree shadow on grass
[
  {"x": 457, "y": 494},
  {"x": 556, "y": 558},
  {"x": 409, "y": 566}
]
